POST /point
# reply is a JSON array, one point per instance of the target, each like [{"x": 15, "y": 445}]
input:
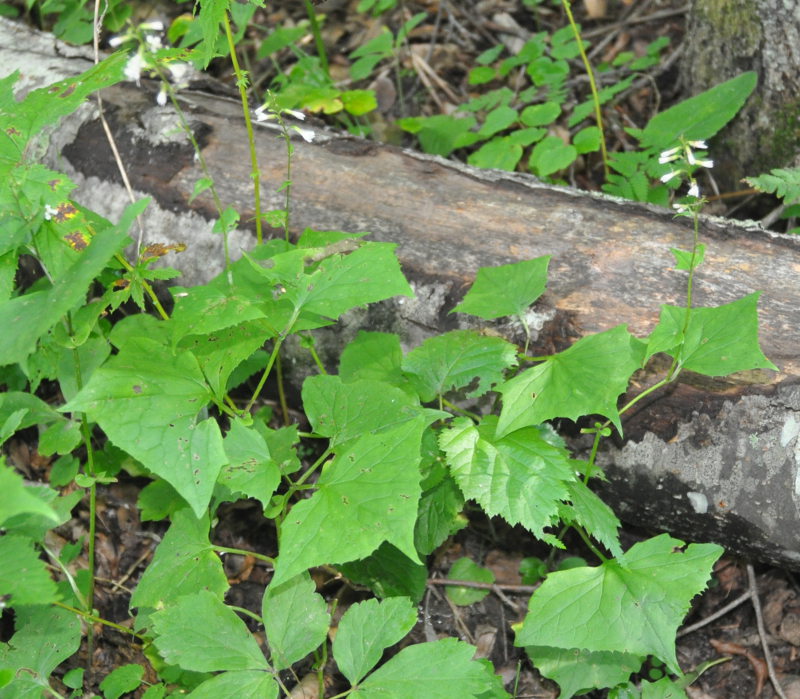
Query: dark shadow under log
[{"x": 707, "y": 459}]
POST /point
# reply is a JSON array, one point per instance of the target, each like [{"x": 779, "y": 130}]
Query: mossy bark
[{"x": 727, "y": 37}]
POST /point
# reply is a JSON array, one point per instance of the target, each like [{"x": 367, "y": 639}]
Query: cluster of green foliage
[{"x": 401, "y": 448}]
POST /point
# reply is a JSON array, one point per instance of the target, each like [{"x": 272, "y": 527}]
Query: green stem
[
  {"x": 241, "y": 82},
  {"x": 313, "y": 350},
  {"x": 267, "y": 369},
  {"x": 460, "y": 411},
  {"x": 243, "y": 552},
  {"x": 296, "y": 485},
  {"x": 247, "y": 612},
  {"x": 592, "y": 84},
  {"x": 318, "y": 42},
  {"x": 281, "y": 390},
  {"x": 100, "y": 620}
]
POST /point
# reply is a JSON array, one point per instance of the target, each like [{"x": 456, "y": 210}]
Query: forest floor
[{"x": 453, "y": 36}]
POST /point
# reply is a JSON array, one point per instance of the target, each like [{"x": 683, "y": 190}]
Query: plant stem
[
  {"x": 243, "y": 552},
  {"x": 318, "y": 42},
  {"x": 592, "y": 84},
  {"x": 267, "y": 369},
  {"x": 99, "y": 620},
  {"x": 241, "y": 83}
]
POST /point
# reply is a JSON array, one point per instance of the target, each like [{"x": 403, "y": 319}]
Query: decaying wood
[{"x": 706, "y": 459}]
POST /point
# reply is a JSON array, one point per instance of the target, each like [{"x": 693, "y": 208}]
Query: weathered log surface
[{"x": 706, "y": 459}]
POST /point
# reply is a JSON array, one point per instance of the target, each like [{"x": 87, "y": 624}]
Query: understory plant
[{"x": 400, "y": 440}]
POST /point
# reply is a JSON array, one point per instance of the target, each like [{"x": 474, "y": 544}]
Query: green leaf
[
  {"x": 439, "y": 670},
  {"x": 439, "y": 515},
  {"x": 243, "y": 684},
  {"x": 540, "y": 114},
  {"x": 505, "y": 290},
  {"x": 499, "y": 119},
  {"x": 18, "y": 499},
  {"x": 33, "y": 314},
  {"x": 122, "y": 680},
  {"x": 296, "y": 620},
  {"x": 23, "y": 574},
  {"x": 203, "y": 310},
  {"x": 684, "y": 260},
  {"x": 454, "y": 360},
  {"x": 481, "y": 75},
  {"x": 184, "y": 562},
  {"x": 200, "y": 633},
  {"x": 701, "y": 116},
  {"x": 359, "y": 102},
  {"x": 375, "y": 356},
  {"x": 466, "y": 569},
  {"x": 634, "y": 608},
  {"x": 520, "y": 477},
  {"x": 440, "y": 134},
  {"x": 578, "y": 671},
  {"x": 587, "y": 140},
  {"x": 585, "y": 379},
  {"x": 501, "y": 153},
  {"x": 45, "y": 637},
  {"x": 366, "y": 630},
  {"x": 597, "y": 518},
  {"x": 718, "y": 340},
  {"x": 371, "y": 273},
  {"x": 250, "y": 471},
  {"x": 550, "y": 155},
  {"x": 370, "y": 490},
  {"x": 147, "y": 400},
  {"x": 388, "y": 573},
  {"x": 782, "y": 182},
  {"x": 343, "y": 411}
]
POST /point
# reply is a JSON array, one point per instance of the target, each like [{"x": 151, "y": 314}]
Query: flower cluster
[
  {"x": 148, "y": 37},
  {"x": 268, "y": 112},
  {"x": 684, "y": 161}
]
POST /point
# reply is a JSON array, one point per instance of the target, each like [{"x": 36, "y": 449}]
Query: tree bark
[
  {"x": 727, "y": 37},
  {"x": 706, "y": 459}
]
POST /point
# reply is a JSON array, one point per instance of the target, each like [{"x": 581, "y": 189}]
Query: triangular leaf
[
  {"x": 455, "y": 359},
  {"x": 250, "y": 471},
  {"x": 585, "y": 379},
  {"x": 184, "y": 562},
  {"x": 366, "y": 630},
  {"x": 506, "y": 290},
  {"x": 146, "y": 400},
  {"x": 200, "y": 633},
  {"x": 634, "y": 609},
  {"x": 370, "y": 490},
  {"x": 439, "y": 670}
]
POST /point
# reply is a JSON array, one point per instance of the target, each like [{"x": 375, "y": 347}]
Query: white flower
[
  {"x": 154, "y": 26},
  {"x": 694, "y": 190},
  {"x": 115, "y": 41},
  {"x": 295, "y": 114},
  {"x": 669, "y": 155},
  {"x": 681, "y": 208},
  {"x": 667, "y": 177},
  {"x": 264, "y": 113},
  {"x": 161, "y": 97},
  {"x": 49, "y": 212},
  {"x": 178, "y": 71},
  {"x": 153, "y": 42},
  {"x": 306, "y": 134},
  {"x": 133, "y": 68},
  {"x": 700, "y": 145},
  {"x": 705, "y": 163}
]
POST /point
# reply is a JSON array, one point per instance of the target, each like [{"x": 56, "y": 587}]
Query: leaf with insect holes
[
  {"x": 33, "y": 314},
  {"x": 250, "y": 470},
  {"x": 370, "y": 491},
  {"x": 147, "y": 401},
  {"x": 506, "y": 290},
  {"x": 520, "y": 476},
  {"x": 718, "y": 341},
  {"x": 634, "y": 608},
  {"x": 585, "y": 379},
  {"x": 200, "y": 632},
  {"x": 184, "y": 562},
  {"x": 455, "y": 360}
]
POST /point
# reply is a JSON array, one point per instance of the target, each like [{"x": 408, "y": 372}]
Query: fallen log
[{"x": 711, "y": 460}]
